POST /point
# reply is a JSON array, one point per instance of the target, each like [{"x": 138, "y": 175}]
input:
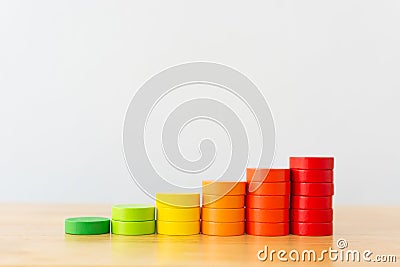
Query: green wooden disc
[
  {"x": 87, "y": 226},
  {"x": 133, "y": 212},
  {"x": 133, "y": 228}
]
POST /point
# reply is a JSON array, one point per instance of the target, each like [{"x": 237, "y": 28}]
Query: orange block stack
[
  {"x": 267, "y": 207},
  {"x": 223, "y": 212}
]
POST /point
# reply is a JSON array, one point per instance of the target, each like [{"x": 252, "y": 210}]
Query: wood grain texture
[{"x": 33, "y": 235}]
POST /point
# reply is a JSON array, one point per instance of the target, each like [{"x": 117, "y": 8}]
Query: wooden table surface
[{"x": 33, "y": 235}]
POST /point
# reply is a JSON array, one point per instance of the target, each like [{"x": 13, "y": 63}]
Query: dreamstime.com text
[{"x": 341, "y": 254}]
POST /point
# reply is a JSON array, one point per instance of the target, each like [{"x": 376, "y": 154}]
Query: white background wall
[{"x": 330, "y": 71}]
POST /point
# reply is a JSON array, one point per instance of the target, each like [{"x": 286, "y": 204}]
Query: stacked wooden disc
[
  {"x": 267, "y": 202},
  {"x": 223, "y": 211}
]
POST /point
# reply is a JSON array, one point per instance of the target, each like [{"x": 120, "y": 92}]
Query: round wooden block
[
  {"x": 222, "y": 228},
  {"x": 223, "y": 215},
  {"x": 311, "y": 229},
  {"x": 178, "y": 228},
  {"x": 267, "y": 229},
  {"x": 272, "y": 189},
  {"x": 305, "y": 202},
  {"x": 267, "y": 202},
  {"x": 178, "y": 215},
  {"x": 264, "y": 215},
  {"x": 312, "y": 176},
  {"x": 221, "y": 188},
  {"x": 261, "y": 175},
  {"x": 133, "y": 228},
  {"x": 183, "y": 200},
  {"x": 312, "y": 189},
  {"x": 87, "y": 226},
  {"x": 133, "y": 212},
  {"x": 299, "y": 215},
  {"x": 223, "y": 202},
  {"x": 313, "y": 163}
]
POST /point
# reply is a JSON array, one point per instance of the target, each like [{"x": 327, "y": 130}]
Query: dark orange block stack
[
  {"x": 267, "y": 207},
  {"x": 223, "y": 208},
  {"x": 311, "y": 212}
]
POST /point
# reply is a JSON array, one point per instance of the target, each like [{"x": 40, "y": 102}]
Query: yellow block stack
[{"x": 178, "y": 214}]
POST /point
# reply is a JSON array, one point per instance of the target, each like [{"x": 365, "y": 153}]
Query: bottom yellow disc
[{"x": 178, "y": 228}]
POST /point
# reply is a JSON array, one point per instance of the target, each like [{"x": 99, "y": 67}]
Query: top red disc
[{"x": 312, "y": 163}]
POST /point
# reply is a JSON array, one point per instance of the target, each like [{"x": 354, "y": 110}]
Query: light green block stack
[{"x": 133, "y": 219}]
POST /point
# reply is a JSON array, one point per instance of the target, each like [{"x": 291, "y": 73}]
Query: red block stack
[
  {"x": 311, "y": 212},
  {"x": 267, "y": 207}
]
